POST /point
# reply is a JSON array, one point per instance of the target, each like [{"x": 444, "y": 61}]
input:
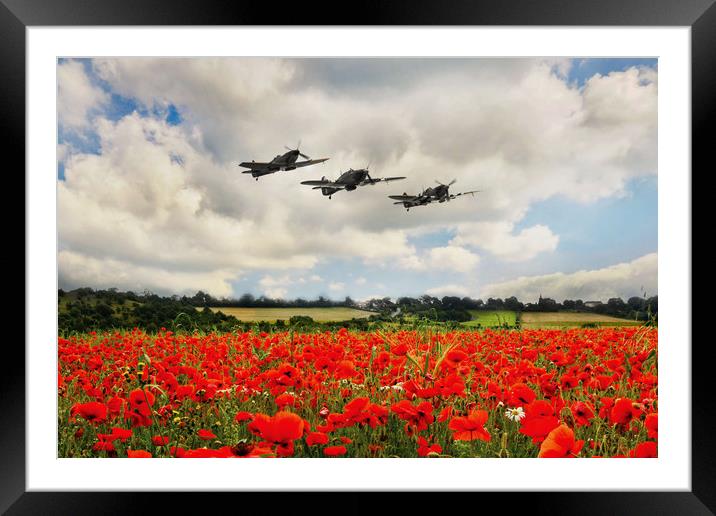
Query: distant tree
[
  {"x": 452, "y": 303},
  {"x": 201, "y": 299},
  {"x": 471, "y": 304},
  {"x": 430, "y": 301},
  {"x": 407, "y": 302},
  {"x": 300, "y": 320},
  {"x": 568, "y": 304},
  {"x": 546, "y": 304},
  {"x": 512, "y": 303},
  {"x": 104, "y": 310},
  {"x": 247, "y": 300},
  {"x": 381, "y": 305},
  {"x": 495, "y": 304},
  {"x": 81, "y": 293},
  {"x": 616, "y": 306},
  {"x": 636, "y": 303}
]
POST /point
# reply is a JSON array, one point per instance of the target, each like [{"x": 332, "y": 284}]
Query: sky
[{"x": 563, "y": 152}]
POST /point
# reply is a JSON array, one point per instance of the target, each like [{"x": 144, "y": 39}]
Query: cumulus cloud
[
  {"x": 77, "y": 97},
  {"x": 275, "y": 287},
  {"x": 449, "y": 258},
  {"x": 621, "y": 280},
  {"x": 500, "y": 240},
  {"x": 143, "y": 201},
  {"x": 448, "y": 290},
  {"x": 78, "y": 270},
  {"x": 171, "y": 198}
]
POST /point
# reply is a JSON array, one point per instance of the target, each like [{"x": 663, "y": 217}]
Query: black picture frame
[{"x": 17, "y": 15}]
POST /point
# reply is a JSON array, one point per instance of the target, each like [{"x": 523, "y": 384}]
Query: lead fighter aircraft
[
  {"x": 439, "y": 193},
  {"x": 348, "y": 180},
  {"x": 286, "y": 161}
]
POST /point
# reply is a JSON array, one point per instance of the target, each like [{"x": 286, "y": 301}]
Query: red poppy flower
[
  {"x": 419, "y": 417},
  {"x": 94, "y": 412},
  {"x": 604, "y": 381},
  {"x": 569, "y": 382},
  {"x": 582, "y": 412},
  {"x": 445, "y": 414},
  {"x": 356, "y": 406},
  {"x": 520, "y": 394},
  {"x": 315, "y": 438},
  {"x": 560, "y": 443},
  {"x": 139, "y": 454},
  {"x": 425, "y": 448},
  {"x": 454, "y": 358},
  {"x": 344, "y": 370},
  {"x": 206, "y": 435},
  {"x": 652, "y": 425},
  {"x": 177, "y": 451},
  {"x": 334, "y": 451},
  {"x": 206, "y": 453},
  {"x": 607, "y": 404},
  {"x": 539, "y": 420},
  {"x": 470, "y": 427},
  {"x": 243, "y": 416},
  {"x": 645, "y": 450},
  {"x": 139, "y": 399},
  {"x": 623, "y": 412},
  {"x": 285, "y": 400},
  {"x": 282, "y": 428},
  {"x": 115, "y": 406},
  {"x": 160, "y": 440},
  {"x": 399, "y": 349},
  {"x": 121, "y": 433},
  {"x": 102, "y": 445}
]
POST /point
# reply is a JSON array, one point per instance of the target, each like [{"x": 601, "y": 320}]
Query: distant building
[{"x": 592, "y": 304}]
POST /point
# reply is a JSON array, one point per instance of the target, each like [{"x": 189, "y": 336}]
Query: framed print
[{"x": 416, "y": 256}]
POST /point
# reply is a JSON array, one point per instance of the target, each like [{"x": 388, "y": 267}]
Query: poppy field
[{"x": 580, "y": 393}]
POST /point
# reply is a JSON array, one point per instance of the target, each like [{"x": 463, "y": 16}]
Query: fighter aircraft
[
  {"x": 348, "y": 180},
  {"x": 439, "y": 193},
  {"x": 286, "y": 161}
]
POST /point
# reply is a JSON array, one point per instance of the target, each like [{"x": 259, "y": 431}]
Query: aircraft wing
[
  {"x": 471, "y": 192},
  {"x": 322, "y": 182},
  {"x": 253, "y": 165},
  {"x": 299, "y": 164},
  {"x": 374, "y": 180},
  {"x": 404, "y": 198}
]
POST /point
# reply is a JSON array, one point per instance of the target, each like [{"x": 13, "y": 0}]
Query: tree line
[
  {"x": 635, "y": 308},
  {"x": 87, "y": 309}
]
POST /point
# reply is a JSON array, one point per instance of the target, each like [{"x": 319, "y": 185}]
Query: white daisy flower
[{"x": 515, "y": 414}]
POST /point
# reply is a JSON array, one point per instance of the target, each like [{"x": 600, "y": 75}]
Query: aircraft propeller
[{"x": 298, "y": 146}]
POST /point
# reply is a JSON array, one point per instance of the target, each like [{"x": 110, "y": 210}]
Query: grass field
[
  {"x": 92, "y": 301},
  {"x": 571, "y": 319},
  {"x": 271, "y": 314},
  {"x": 488, "y": 318},
  {"x": 491, "y": 318}
]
